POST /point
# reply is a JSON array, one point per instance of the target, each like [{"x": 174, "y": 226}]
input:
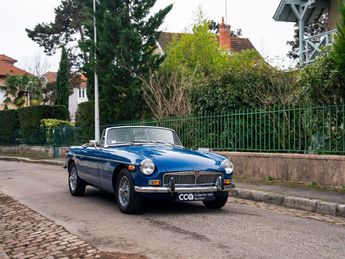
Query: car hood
[{"x": 172, "y": 159}]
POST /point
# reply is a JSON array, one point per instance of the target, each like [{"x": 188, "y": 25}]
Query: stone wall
[
  {"x": 327, "y": 170},
  {"x": 32, "y": 151}
]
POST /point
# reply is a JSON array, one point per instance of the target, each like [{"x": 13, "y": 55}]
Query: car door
[{"x": 89, "y": 165}]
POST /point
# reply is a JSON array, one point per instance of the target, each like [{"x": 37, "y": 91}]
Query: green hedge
[
  {"x": 85, "y": 121},
  {"x": 30, "y": 118},
  {"x": 9, "y": 127}
]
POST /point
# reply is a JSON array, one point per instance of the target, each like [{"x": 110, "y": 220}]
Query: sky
[{"x": 253, "y": 17}]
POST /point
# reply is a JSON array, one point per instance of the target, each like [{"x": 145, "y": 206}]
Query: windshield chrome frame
[{"x": 105, "y": 145}]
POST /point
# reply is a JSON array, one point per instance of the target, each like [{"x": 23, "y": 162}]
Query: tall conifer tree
[{"x": 62, "y": 80}]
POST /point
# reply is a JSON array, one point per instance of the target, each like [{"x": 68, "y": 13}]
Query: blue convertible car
[{"x": 136, "y": 162}]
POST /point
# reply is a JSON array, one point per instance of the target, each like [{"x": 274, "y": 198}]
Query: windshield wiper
[
  {"x": 162, "y": 142},
  {"x": 121, "y": 144}
]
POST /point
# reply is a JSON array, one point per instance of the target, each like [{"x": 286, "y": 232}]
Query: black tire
[
  {"x": 127, "y": 199},
  {"x": 76, "y": 185},
  {"x": 217, "y": 203}
]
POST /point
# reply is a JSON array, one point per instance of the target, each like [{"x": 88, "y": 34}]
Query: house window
[{"x": 82, "y": 93}]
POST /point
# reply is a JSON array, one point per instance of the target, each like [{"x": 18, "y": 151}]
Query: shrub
[
  {"x": 9, "y": 126},
  {"x": 30, "y": 121},
  {"x": 322, "y": 82},
  {"x": 248, "y": 82},
  {"x": 57, "y": 131},
  {"x": 85, "y": 120}
]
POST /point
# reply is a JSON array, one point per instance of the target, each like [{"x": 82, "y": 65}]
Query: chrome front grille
[{"x": 192, "y": 178}]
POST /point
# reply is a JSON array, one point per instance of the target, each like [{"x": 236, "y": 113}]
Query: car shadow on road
[{"x": 157, "y": 206}]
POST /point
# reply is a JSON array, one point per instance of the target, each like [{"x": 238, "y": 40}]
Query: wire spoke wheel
[
  {"x": 75, "y": 184},
  {"x": 124, "y": 191},
  {"x": 73, "y": 178}
]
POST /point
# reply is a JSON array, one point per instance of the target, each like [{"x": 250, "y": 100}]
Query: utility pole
[
  {"x": 226, "y": 11},
  {"x": 96, "y": 76}
]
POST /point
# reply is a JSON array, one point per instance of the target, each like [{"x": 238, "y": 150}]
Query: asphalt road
[{"x": 173, "y": 230}]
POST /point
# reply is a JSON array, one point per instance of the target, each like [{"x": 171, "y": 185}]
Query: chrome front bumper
[{"x": 145, "y": 189}]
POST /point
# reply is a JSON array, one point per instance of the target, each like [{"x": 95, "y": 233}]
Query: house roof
[
  {"x": 9, "y": 69},
  {"x": 237, "y": 44},
  {"x": 50, "y": 76},
  {"x": 285, "y": 13},
  {"x": 77, "y": 79},
  {"x": 7, "y": 59},
  {"x": 166, "y": 37}
]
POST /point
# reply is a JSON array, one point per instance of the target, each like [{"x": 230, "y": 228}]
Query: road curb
[
  {"x": 312, "y": 205},
  {"x": 28, "y": 160}
]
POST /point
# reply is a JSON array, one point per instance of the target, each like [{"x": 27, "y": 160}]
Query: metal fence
[
  {"x": 317, "y": 130},
  {"x": 291, "y": 130}
]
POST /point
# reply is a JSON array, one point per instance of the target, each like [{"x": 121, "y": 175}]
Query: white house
[{"x": 79, "y": 94}]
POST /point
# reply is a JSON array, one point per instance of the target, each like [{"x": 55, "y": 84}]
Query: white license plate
[{"x": 195, "y": 196}]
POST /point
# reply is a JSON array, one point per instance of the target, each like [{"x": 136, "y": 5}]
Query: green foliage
[
  {"x": 269, "y": 179},
  {"x": 127, "y": 35},
  {"x": 196, "y": 54},
  {"x": 10, "y": 126},
  {"x": 339, "y": 45},
  {"x": 30, "y": 121},
  {"x": 67, "y": 26},
  {"x": 247, "y": 82},
  {"x": 322, "y": 82},
  {"x": 18, "y": 87},
  {"x": 62, "y": 80},
  {"x": 85, "y": 120},
  {"x": 314, "y": 184},
  {"x": 55, "y": 131}
]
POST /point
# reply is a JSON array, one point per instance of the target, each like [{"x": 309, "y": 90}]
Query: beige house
[{"x": 7, "y": 68}]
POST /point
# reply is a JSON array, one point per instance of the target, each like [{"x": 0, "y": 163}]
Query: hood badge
[{"x": 197, "y": 173}]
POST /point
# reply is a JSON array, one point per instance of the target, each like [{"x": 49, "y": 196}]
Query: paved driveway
[{"x": 170, "y": 230}]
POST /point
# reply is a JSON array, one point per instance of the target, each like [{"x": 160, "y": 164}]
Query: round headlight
[
  {"x": 228, "y": 166},
  {"x": 147, "y": 167}
]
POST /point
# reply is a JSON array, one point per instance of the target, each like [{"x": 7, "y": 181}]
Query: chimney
[{"x": 224, "y": 36}]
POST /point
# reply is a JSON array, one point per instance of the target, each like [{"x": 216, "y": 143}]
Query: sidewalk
[{"x": 298, "y": 197}]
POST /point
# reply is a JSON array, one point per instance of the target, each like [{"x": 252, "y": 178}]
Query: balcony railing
[{"x": 312, "y": 45}]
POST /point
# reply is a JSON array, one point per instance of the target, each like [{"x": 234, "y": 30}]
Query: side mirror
[{"x": 93, "y": 143}]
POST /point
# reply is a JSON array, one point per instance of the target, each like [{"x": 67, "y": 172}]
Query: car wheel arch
[
  {"x": 70, "y": 162},
  {"x": 116, "y": 173}
]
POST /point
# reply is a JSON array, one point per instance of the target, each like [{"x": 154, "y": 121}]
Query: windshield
[{"x": 141, "y": 135}]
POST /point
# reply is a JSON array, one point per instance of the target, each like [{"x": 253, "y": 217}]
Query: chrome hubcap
[
  {"x": 73, "y": 178},
  {"x": 123, "y": 192}
]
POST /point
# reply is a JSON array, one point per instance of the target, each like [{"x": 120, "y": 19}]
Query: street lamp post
[{"x": 96, "y": 76}]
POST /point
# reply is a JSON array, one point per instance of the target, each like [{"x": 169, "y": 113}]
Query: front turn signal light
[
  {"x": 131, "y": 167},
  {"x": 154, "y": 182},
  {"x": 227, "y": 181}
]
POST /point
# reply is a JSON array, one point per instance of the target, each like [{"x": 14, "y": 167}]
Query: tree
[
  {"x": 37, "y": 65},
  {"x": 127, "y": 35},
  {"x": 22, "y": 90},
  {"x": 339, "y": 44},
  {"x": 197, "y": 53},
  {"x": 62, "y": 80},
  {"x": 247, "y": 82},
  {"x": 311, "y": 29},
  {"x": 68, "y": 27},
  {"x": 322, "y": 82},
  {"x": 165, "y": 95}
]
